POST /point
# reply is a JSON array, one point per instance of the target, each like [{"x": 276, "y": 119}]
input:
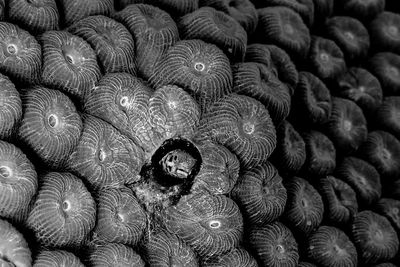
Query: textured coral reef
[{"x": 199, "y": 133}]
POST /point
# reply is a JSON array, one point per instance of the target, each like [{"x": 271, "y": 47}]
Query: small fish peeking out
[
  {"x": 167, "y": 177},
  {"x": 176, "y": 162}
]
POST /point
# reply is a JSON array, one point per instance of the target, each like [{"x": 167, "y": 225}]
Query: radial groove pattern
[
  {"x": 340, "y": 202},
  {"x": 260, "y": 194},
  {"x": 69, "y": 63},
  {"x": 385, "y": 32},
  {"x": 382, "y": 150},
  {"x": 260, "y": 53},
  {"x": 243, "y": 125},
  {"x": 34, "y": 16},
  {"x": 199, "y": 68},
  {"x": 329, "y": 247},
  {"x": 64, "y": 211},
  {"x": 374, "y": 237},
  {"x": 57, "y": 258},
  {"x": 290, "y": 153},
  {"x": 173, "y": 112},
  {"x": 116, "y": 255},
  {"x": 312, "y": 103},
  {"x": 360, "y": 86},
  {"x": 153, "y": 30},
  {"x": 387, "y": 117},
  {"x": 284, "y": 67},
  {"x": 257, "y": 81},
  {"x": 386, "y": 67},
  {"x": 326, "y": 59},
  {"x": 321, "y": 154},
  {"x": 215, "y": 27},
  {"x": 389, "y": 208},
  {"x": 235, "y": 257},
  {"x": 10, "y": 108},
  {"x": 347, "y": 126},
  {"x": 13, "y": 247},
  {"x": 242, "y": 11},
  {"x": 362, "y": 177},
  {"x": 50, "y": 126},
  {"x": 274, "y": 245},
  {"x": 104, "y": 157},
  {"x": 350, "y": 35},
  {"x": 175, "y": 8},
  {"x": 284, "y": 27},
  {"x": 75, "y": 10},
  {"x": 20, "y": 54},
  {"x": 219, "y": 170},
  {"x": 305, "y": 8},
  {"x": 304, "y": 207},
  {"x": 164, "y": 249},
  {"x": 120, "y": 218},
  {"x": 112, "y": 42},
  {"x": 122, "y": 100},
  {"x": 18, "y": 182},
  {"x": 210, "y": 224}
]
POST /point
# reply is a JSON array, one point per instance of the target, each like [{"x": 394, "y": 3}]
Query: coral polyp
[{"x": 212, "y": 133}]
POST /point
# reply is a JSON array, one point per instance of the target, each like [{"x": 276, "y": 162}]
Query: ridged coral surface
[{"x": 199, "y": 133}]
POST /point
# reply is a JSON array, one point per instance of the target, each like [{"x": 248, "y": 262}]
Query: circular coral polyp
[
  {"x": 20, "y": 54},
  {"x": 18, "y": 183},
  {"x": 210, "y": 224},
  {"x": 215, "y": 27},
  {"x": 386, "y": 67},
  {"x": 282, "y": 26},
  {"x": 181, "y": 65},
  {"x": 274, "y": 245},
  {"x": 165, "y": 249},
  {"x": 374, "y": 237},
  {"x": 260, "y": 194},
  {"x": 224, "y": 124},
  {"x": 153, "y": 30},
  {"x": 350, "y": 35}
]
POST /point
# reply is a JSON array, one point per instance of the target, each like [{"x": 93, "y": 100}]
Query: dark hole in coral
[
  {"x": 52, "y": 120},
  {"x": 176, "y": 162},
  {"x": 101, "y": 155},
  {"x": 69, "y": 59},
  {"x": 65, "y": 205}
]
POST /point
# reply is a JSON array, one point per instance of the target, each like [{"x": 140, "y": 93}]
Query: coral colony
[{"x": 199, "y": 133}]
